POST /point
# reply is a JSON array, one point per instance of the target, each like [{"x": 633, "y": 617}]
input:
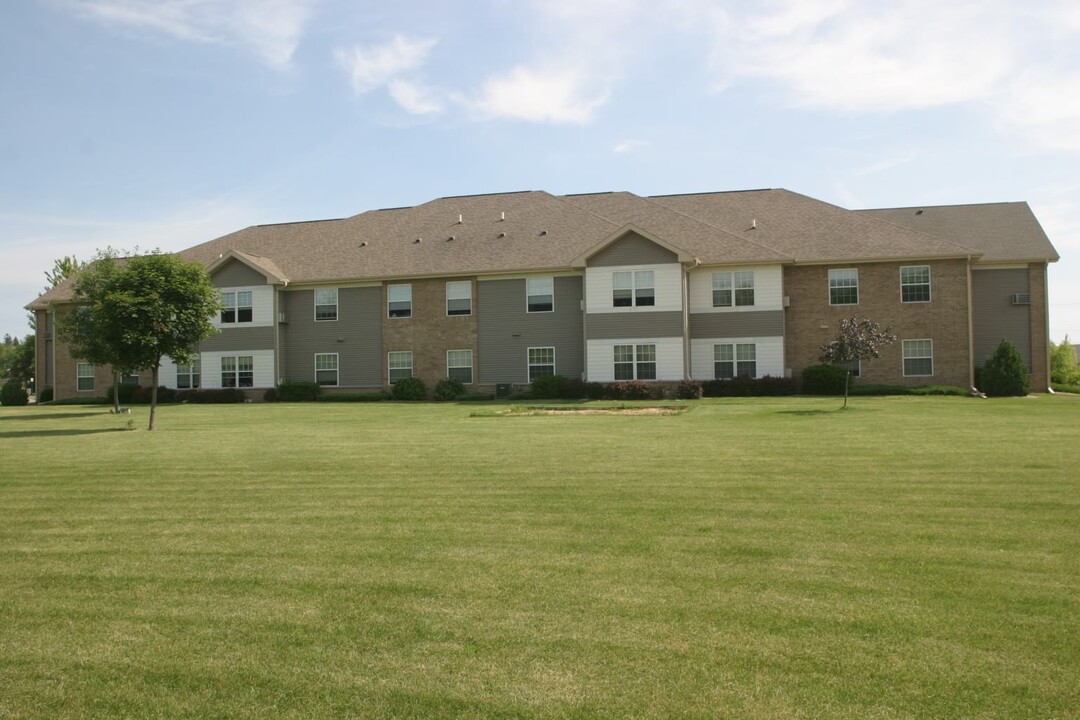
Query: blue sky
[{"x": 162, "y": 124}]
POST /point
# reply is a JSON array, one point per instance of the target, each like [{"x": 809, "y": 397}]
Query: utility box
[{"x": 503, "y": 390}]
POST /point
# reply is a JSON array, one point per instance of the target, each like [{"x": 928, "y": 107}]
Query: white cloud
[
  {"x": 269, "y": 28},
  {"x": 628, "y": 146},
  {"x": 414, "y": 98},
  {"x": 554, "y": 96},
  {"x": 373, "y": 67}
]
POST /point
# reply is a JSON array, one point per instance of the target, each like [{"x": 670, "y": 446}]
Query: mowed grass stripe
[{"x": 910, "y": 557}]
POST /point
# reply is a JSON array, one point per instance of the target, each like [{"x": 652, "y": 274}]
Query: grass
[{"x": 748, "y": 558}]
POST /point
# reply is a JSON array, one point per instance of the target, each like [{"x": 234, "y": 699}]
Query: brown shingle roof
[{"x": 1002, "y": 232}]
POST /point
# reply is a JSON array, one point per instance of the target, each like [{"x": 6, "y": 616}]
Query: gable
[
  {"x": 235, "y": 273},
  {"x": 632, "y": 249}
]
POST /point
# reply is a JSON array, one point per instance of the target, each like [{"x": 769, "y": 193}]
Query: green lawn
[{"x": 758, "y": 558}]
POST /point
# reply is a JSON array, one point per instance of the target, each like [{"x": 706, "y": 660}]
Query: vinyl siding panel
[
  {"x": 995, "y": 317},
  {"x": 770, "y": 355},
  {"x": 244, "y": 337},
  {"x": 632, "y": 249},
  {"x": 506, "y": 331},
  {"x": 618, "y": 325},
  {"x": 262, "y": 360},
  {"x": 669, "y": 357},
  {"x": 356, "y": 336},
  {"x": 235, "y": 273},
  {"x": 768, "y": 289},
  {"x": 742, "y": 324},
  {"x": 667, "y": 280}
]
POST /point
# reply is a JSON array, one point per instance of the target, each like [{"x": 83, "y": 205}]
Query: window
[
  {"x": 237, "y": 306},
  {"x": 459, "y": 298},
  {"x": 541, "y": 362},
  {"x": 237, "y": 371},
  {"x": 915, "y": 283},
  {"x": 84, "y": 377},
  {"x": 326, "y": 304},
  {"x": 400, "y": 365},
  {"x": 459, "y": 366},
  {"x": 399, "y": 301},
  {"x": 733, "y": 288},
  {"x": 187, "y": 376},
  {"x": 635, "y": 362},
  {"x": 844, "y": 287},
  {"x": 540, "y": 294},
  {"x": 326, "y": 369},
  {"x": 918, "y": 358},
  {"x": 630, "y": 288},
  {"x": 853, "y": 366},
  {"x": 128, "y": 379},
  {"x": 732, "y": 360}
]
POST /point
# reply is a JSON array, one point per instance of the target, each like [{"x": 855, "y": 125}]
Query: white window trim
[
  {"x": 336, "y": 368},
  {"x": 929, "y": 285},
  {"x": 388, "y": 301},
  {"x": 529, "y": 365},
  {"x": 458, "y": 367},
  {"x": 634, "y": 288},
  {"x": 469, "y": 297},
  {"x": 193, "y": 371},
  {"x": 548, "y": 278},
  {"x": 904, "y": 357},
  {"x": 317, "y": 305},
  {"x": 732, "y": 288},
  {"x": 236, "y": 371},
  {"x": 735, "y": 358},
  {"x": 78, "y": 377},
  {"x": 389, "y": 369},
  {"x": 635, "y": 351},
  {"x": 829, "y": 287},
  {"x": 235, "y": 307}
]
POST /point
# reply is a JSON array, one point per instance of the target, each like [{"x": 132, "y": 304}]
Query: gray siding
[
  {"x": 506, "y": 331},
  {"x": 609, "y": 326},
  {"x": 632, "y": 249},
  {"x": 996, "y": 318},
  {"x": 236, "y": 274},
  {"x": 356, "y": 336},
  {"x": 237, "y": 339},
  {"x": 763, "y": 323}
]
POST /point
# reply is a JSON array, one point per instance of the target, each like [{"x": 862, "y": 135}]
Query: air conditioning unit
[
  {"x": 281, "y": 318},
  {"x": 1021, "y": 298}
]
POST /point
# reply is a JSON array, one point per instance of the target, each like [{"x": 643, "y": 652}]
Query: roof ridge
[
  {"x": 712, "y": 192},
  {"x": 952, "y": 205},
  {"x": 717, "y": 228}
]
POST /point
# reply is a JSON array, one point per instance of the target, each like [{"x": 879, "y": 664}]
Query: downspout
[
  {"x": 584, "y": 325},
  {"x": 970, "y": 330},
  {"x": 686, "y": 316},
  {"x": 1046, "y": 321}
]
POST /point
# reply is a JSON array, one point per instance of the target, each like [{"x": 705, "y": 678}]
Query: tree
[
  {"x": 1064, "y": 367},
  {"x": 62, "y": 269},
  {"x": 1005, "y": 373},
  {"x": 857, "y": 339},
  {"x": 139, "y": 310}
]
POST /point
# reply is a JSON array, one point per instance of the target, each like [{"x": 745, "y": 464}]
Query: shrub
[
  {"x": 1064, "y": 366},
  {"x": 745, "y": 386},
  {"x": 557, "y": 387},
  {"x": 824, "y": 380},
  {"x": 125, "y": 391},
  {"x": 299, "y": 391},
  {"x": 13, "y": 394},
  {"x": 689, "y": 390},
  {"x": 354, "y": 397},
  {"x": 448, "y": 389},
  {"x": 271, "y": 395},
  {"x": 595, "y": 390},
  {"x": 46, "y": 394},
  {"x": 220, "y": 395},
  {"x": 909, "y": 390},
  {"x": 1005, "y": 374},
  {"x": 1065, "y": 388},
  {"x": 409, "y": 389},
  {"x": 142, "y": 395},
  {"x": 629, "y": 390},
  {"x": 476, "y": 397}
]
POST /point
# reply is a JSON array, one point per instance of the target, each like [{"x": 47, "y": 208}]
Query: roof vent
[
  {"x": 501, "y": 235},
  {"x": 363, "y": 244},
  {"x": 416, "y": 241},
  {"x": 1021, "y": 298},
  {"x": 543, "y": 233},
  {"x": 460, "y": 218},
  {"x": 918, "y": 212},
  {"x": 452, "y": 237},
  {"x": 502, "y": 216},
  {"x": 753, "y": 224}
]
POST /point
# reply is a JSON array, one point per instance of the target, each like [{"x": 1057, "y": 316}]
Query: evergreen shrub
[
  {"x": 448, "y": 389},
  {"x": 13, "y": 394},
  {"x": 824, "y": 380},
  {"x": 409, "y": 389},
  {"x": 1005, "y": 374}
]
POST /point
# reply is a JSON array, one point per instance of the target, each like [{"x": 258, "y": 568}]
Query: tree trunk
[
  {"x": 847, "y": 380},
  {"x": 116, "y": 391},
  {"x": 153, "y": 394}
]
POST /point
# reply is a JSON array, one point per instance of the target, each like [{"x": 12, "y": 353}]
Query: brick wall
[
  {"x": 429, "y": 333},
  {"x": 811, "y": 322}
]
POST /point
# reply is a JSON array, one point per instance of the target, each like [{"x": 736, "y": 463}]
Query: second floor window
[
  {"x": 733, "y": 288},
  {"x": 633, "y": 288},
  {"x": 540, "y": 294},
  {"x": 326, "y": 306},
  {"x": 459, "y": 298},
  {"x": 915, "y": 283},
  {"x": 844, "y": 287},
  {"x": 399, "y": 301},
  {"x": 237, "y": 306}
]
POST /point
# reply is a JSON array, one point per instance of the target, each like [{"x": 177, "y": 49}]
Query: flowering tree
[{"x": 857, "y": 339}]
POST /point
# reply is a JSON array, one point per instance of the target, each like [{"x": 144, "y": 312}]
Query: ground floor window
[
  {"x": 400, "y": 365},
  {"x": 918, "y": 358},
  {"x": 635, "y": 362},
  {"x": 853, "y": 366},
  {"x": 187, "y": 376},
  {"x": 237, "y": 371},
  {"x": 459, "y": 366},
  {"x": 84, "y": 377},
  {"x": 129, "y": 379},
  {"x": 326, "y": 369},
  {"x": 732, "y": 360},
  {"x": 541, "y": 362}
]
